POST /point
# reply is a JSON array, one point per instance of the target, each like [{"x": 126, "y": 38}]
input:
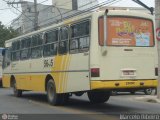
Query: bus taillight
[
  {"x": 95, "y": 72},
  {"x": 156, "y": 71}
]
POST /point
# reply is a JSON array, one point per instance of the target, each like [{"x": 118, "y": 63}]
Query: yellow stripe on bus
[
  {"x": 65, "y": 74},
  {"x": 68, "y": 64},
  {"x": 56, "y": 75}
]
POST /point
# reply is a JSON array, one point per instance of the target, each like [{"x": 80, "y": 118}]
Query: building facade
[
  {"x": 47, "y": 14},
  {"x": 75, "y": 4}
]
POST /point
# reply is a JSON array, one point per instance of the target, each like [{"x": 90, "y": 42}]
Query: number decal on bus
[{"x": 48, "y": 63}]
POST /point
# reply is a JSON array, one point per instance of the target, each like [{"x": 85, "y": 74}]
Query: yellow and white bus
[{"x": 94, "y": 53}]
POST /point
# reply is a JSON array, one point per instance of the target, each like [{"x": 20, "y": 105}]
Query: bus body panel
[
  {"x": 117, "y": 61},
  {"x": 6, "y": 80},
  {"x": 78, "y": 73}
]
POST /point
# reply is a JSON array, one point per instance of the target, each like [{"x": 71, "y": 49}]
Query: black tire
[
  {"x": 98, "y": 96},
  {"x": 132, "y": 92},
  {"x": 16, "y": 92},
  {"x": 114, "y": 92},
  {"x": 53, "y": 97},
  {"x": 1, "y": 84},
  {"x": 148, "y": 91}
]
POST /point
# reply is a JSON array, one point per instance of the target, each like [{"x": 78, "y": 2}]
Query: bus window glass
[
  {"x": 36, "y": 40},
  {"x": 7, "y": 58},
  {"x": 25, "y": 43},
  {"x": 80, "y": 37},
  {"x": 16, "y": 45},
  {"x": 84, "y": 42},
  {"x": 24, "y": 54},
  {"x": 53, "y": 49},
  {"x": 36, "y": 52},
  {"x": 136, "y": 32},
  {"x": 25, "y": 48},
  {"x": 13, "y": 46},
  {"x": 74, "y": 45},
  {"x": 15, "y": 55},
  {"x": 63, "y": 47},
  {"x": 51, "y": 41},
  {"x": 63, "y": 44},
  {"x": 52, "y": 36},
  {"x": 50, "y": 49},
  {"x": 80, "y": 29},
  {"x": 64, "y": 33},
  {"x": 1, "y": 56}
]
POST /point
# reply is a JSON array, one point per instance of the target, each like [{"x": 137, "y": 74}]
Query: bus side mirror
[{"x": 3, "y": 52}]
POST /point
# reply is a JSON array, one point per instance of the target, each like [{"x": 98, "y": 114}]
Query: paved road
[{"x": 36, "y": 103}]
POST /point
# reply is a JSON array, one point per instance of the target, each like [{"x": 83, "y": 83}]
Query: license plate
[{"x": 128, "y": 73}]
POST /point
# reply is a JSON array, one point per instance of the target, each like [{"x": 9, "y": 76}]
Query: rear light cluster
[
  {"x": 95, "y": 72},
  {"x": 156, "y": 71}
]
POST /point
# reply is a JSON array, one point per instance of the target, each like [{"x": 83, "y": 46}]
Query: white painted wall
[
  {"x": 65, "y": 4},
  {"x": 82, "y": 4}
]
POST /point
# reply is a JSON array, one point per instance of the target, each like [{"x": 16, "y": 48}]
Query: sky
[{"x": 7, "y": 13}]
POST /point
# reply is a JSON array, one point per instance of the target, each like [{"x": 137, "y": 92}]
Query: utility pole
[
  {"x": 36, "y": 15},
  {"x": 35, "y": 12},
  {"x": 157, "y": 19}
]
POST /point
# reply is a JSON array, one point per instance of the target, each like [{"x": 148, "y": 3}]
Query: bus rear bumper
[{"x": 123, "y": 84}]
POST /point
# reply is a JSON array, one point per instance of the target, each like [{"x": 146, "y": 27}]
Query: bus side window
[
  {"x": 51, "y": 43},
  {"x": 74, "y": 45},
  {"x": 80, "y": 37},
  {"x": 15, "y": 54},
  {"x": 63, "y": 43},
  {"x": 36, "y": 46},
  {"x": 25, "y": 48},
  {"x": 7, "y": 58}
]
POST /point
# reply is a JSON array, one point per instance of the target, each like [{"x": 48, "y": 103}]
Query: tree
[{"x": 6, "y": 33}]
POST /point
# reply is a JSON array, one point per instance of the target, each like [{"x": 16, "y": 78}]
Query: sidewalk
[{"x": 148, "y": 98}]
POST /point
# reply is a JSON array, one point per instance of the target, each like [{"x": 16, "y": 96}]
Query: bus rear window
[{"x": 122, "y": 31}]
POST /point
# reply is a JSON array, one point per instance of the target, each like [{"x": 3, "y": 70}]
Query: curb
[{"x": 151, "y": 99}]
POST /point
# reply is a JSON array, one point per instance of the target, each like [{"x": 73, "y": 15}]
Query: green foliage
[{"x": 6, "y": 33}]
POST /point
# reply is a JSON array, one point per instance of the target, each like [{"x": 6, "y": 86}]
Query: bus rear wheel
[
  {"x": 148, "y": 91},
  {"x": 53, "y": 97},
  {"x": 16, "y": 92},
  {"x": 132, "y": 92},
  {"x": 98, "y": 96}
]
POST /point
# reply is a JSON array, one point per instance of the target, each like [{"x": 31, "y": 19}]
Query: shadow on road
[{"x": 83, "y": 104}]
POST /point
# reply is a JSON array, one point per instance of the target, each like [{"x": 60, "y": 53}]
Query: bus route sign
[{"x": 158, "y": 34}]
